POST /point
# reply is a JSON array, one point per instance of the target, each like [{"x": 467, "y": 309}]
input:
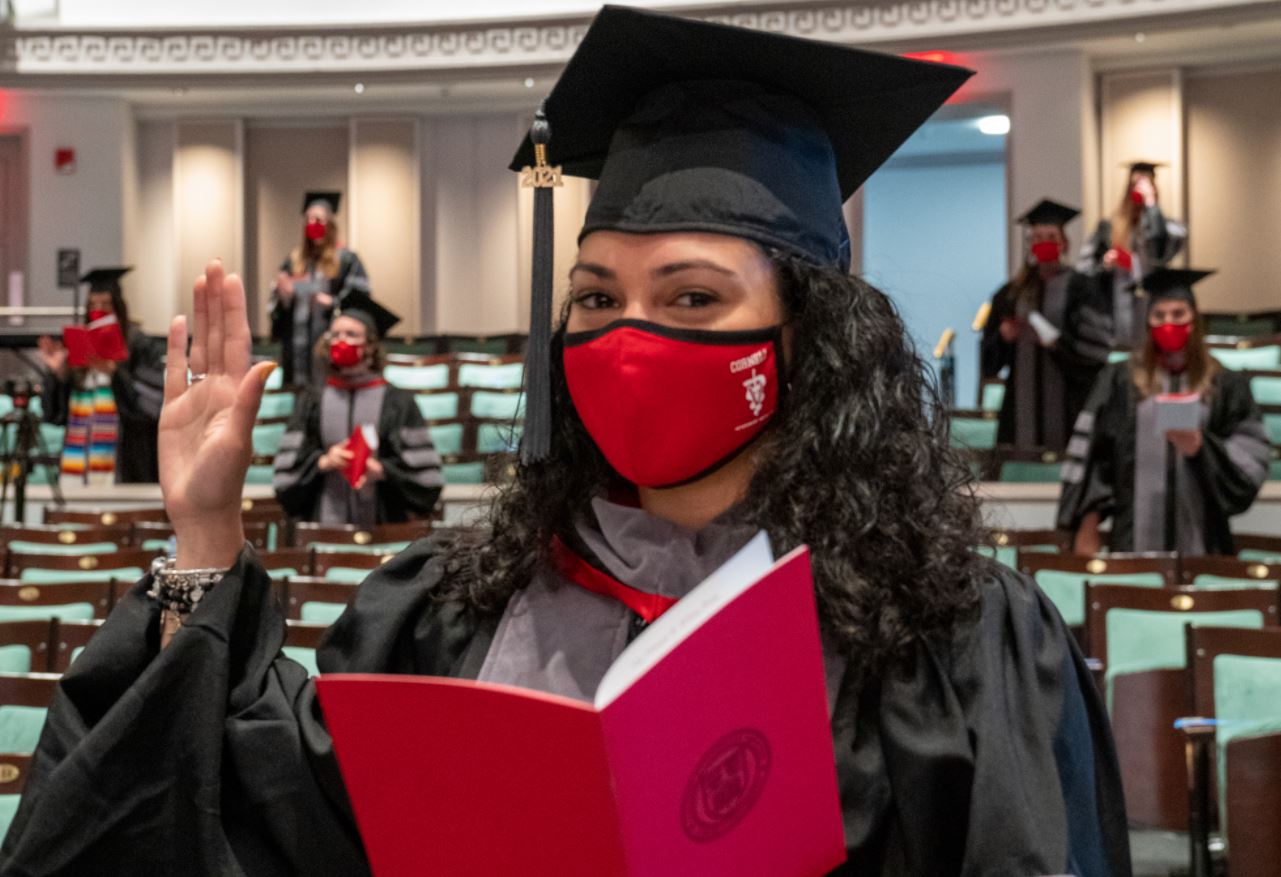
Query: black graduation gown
[
  {"x": 1099, "y": 475},
  {"x": 1062, "y": 375},
  {"x": 413, "y": 482},
  {"x": 350, "y": 275},
  {"x": 988, "y": 754},
  {"x": 138, "y": 385}
]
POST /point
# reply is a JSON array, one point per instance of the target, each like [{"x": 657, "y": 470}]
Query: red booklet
[
  {"x": 101, "y": 339},
  {"x": 707, "y": 751},
  {"x": 362, "y": 443}
]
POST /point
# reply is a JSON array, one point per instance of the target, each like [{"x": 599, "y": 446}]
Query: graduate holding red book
[
  {"x": 105, "y": 383},
  {"x": 715, "y": 372}
]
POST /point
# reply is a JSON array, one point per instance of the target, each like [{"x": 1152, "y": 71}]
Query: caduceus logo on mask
[
  {"x": 725, "y": 785},
  {"x": 755, "y": 386}
]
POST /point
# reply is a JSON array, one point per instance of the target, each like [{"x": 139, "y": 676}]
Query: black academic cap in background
[
  {"x": 1144, "y": 167},
  {"x": 329, "y": 199},
  {"x": 1167, "y": 283},
  {"x": 695, "y": 126},
  {"x": 105, "y": 279},
  {"x": 358, "y": 305},
  {"x": 1049, "y": 213}
]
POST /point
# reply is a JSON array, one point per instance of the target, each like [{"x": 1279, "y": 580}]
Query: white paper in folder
[
  {"x": 1178, "y": 411},
  {"x": 1044, "y": 329}
]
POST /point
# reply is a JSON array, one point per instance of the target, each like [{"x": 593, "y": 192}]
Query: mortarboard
[
  {"x": 696, "y": 126},
  {"x": 1144, "y": 167},
  {"x": 329, "y": 199},
  {"x": 105, "y": 279},
  {"x": 359, "y": 306},
  {"x": 1049, "y": 212},
  {"x": 1167, "y": 283}
]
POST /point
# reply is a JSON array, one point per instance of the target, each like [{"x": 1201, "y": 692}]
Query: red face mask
[
  {"x": 1171, "y": 337},
  {"x": 1136, "y": 197},
  {"x": 344, "y": 355},
  {"x": 315, "y": 231},
  {"x": 95, "y": 316},
  {"x": 1046, "y": 252},
  {"x": 668, "y": 406}
]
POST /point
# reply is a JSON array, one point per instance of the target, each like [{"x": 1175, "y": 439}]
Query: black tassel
[{"x": 536, "y": 440}]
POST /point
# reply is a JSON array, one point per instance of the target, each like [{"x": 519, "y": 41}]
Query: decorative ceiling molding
[{"x": 454, "y": 48}]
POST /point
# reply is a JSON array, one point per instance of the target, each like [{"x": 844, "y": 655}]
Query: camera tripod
[{"x": 26, "y": 451}]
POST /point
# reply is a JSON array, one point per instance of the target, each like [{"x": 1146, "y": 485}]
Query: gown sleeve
[
  {"x": 1163, "y": 238},
  {"x": 413, "y": 467},
  {"x": 989, "y": 755},
  {"x": 1233, "y": 462},
  {"x": 351, "y": 277},
  {"x": 281, "y": 313},
  {"x": 138, "y": 384},
  {"x": 55, "y": 397},
  {"x": 1088, "y": 474},
  {"x": 1087, "y": 331},
  {"x": 995, "y": 353},
  {"x": 297, "y": 479},
  {"x": 1090, "y": 260},
  {"x": 211, "y": 756}
]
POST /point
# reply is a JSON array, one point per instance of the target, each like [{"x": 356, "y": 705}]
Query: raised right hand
[
  {"x": 1109, "y": 260},
  {"x": 206, "y": 428},
  {"x": 1009, "y": 330}
]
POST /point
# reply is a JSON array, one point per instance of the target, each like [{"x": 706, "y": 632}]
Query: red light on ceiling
[{"x": 936, "y": 57}]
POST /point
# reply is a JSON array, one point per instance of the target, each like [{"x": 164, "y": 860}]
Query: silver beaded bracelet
[{"x": 181, "y": 590}]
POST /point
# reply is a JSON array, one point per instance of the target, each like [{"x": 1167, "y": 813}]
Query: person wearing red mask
[
  {"x": 315, "y": 276},
  {"x": 402, "y": 476},
  {"x": 110, "y": 408},
  {"x": 716, "y": 371},
  {"x": 1165, "y": 489},
  {"x": 1045, "y": 328},
  {"x": 1137, "y": 239}
]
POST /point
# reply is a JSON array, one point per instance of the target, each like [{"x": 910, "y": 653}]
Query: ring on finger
[{"x": 197, "y": 378}]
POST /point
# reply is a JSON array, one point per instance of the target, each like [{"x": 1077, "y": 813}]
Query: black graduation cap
[
  {"x": 1145, "y": 167},
  {"x": 1049, "y": 212},
  {"x": 106, "y": 279},
  {"x": 358, "y": 305},
  {"x": 696, "y": 126},
  {"x": 1168, "y": 283},
  {"x": 329, "y": 199}
]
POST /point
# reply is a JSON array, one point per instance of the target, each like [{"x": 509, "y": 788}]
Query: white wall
[{"x": 80, "y": 210}]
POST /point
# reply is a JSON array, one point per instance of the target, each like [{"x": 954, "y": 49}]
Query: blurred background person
[
  {"x": 1046, "y": 328},
  {"x": 1135, "y": 241},
  {"x": 110, "y": 408},
  {"x": 314, "y": 278},
  {"x": 402, "y": 478},
  {"x": 1165, "y": 489}
]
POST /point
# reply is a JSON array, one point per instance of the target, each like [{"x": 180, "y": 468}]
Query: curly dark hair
[{"x": 861, "y": 447}]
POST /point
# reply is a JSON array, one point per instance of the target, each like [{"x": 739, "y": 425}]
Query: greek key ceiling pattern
[{"x": 451, "y": 47}]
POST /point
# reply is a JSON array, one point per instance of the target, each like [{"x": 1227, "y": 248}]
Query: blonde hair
[{"x": 323, "y": 254}]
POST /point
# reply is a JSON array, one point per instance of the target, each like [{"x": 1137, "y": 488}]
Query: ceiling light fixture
[
  {"x": 995, "y": 126},
  {"x": 359, "y": 88}
]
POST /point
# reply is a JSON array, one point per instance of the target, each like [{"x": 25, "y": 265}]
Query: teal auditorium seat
[
  {"x": 1030, "y": 472},
  {"x": 327, "y": 613},
  {"x": 418, "y": 377},
  {"x": 62, "y": 550},
  {"x": 447, "y": 437},
  {"x": 63, "y": 612},
  {"x": 464, "y": 473},
  {"x": 975, "y": 433},
  {"x": 266, "y": 438},
  {"x": 20, "y": 727},
  {"x": 1263, "y": 358},
  {"x": 15, "y": 659},
  {"x": 55, "y": 576},
  {"x": 346, "y": 574},
  {"x": 1118, "y": 356},
  {"x": 275, "y": 380},
  {"x": 507, "y": 376},
  {"x": 276, "y": 405},
  {"x": 498, "y": 438},
  {"x": 260, "y": 473},
  {"x": 1266, "y": 389},
  {"x": 1066, "y": 590},
  {"x": 993, "y": 396},
  {"x": 376, "y": 548},
  {"x": 437, "y": 406},
  {"x": 1247, "y": 704},
  {"x": 306, "y": 657},
  {"x": 497, "y": 406}
]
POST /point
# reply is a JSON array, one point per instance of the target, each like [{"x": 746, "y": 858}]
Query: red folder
[
  {"x": 1124, "y": 259},
  {"x": 361, "y": 448},
  {"x": 708, "y": 751},
  {"x": 101, "y": 339}
]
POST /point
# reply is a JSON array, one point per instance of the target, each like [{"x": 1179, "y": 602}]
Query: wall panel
[
  {"x": 384, "y": 212},
  {"x": 208, "y": 200}
]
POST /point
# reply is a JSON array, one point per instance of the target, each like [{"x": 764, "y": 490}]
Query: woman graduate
[
  {"x": 402, "y": 476},
  {"x": 1045, "y": 327},
  {"x": 111, "y": 408},
  {"x": 317, "y": 274},
  {"x": 1165, "y": 489},
  {"x": 1136, "y": 240},
  {"x": 717, "y": 371}
]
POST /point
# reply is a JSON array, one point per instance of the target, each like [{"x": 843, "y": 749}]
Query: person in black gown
[
  {"x": 1046, "y": 328},
  {"x": 969, "y": 737},
  {"x": 111, "y": 410},
  {"x": 314, "y": 278},
  {"x": 1164, "y": 490},
  {"x": 403, "y": 477}
]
